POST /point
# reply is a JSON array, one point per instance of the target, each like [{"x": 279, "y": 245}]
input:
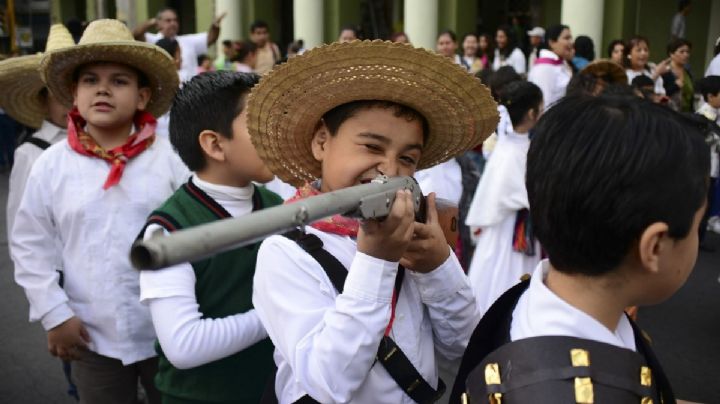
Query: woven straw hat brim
[
  {"x": 20, "y": 87},
  {"x": 57, "y": 69},
  {"x": 606, "y": 68},
  {"x": 285, "y": 107}
]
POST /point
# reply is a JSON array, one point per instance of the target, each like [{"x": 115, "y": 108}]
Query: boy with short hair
[
  {"x": 207, "y": 304},
  {"x": 338, "y": 116},
  {"x": 617, "y": 190},
  {"x": 93, "y": 193}
]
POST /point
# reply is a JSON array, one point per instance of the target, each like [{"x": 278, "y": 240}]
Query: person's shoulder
[
  {"x": 152, "y": 38},
  {"x": 268, "y": 197}
]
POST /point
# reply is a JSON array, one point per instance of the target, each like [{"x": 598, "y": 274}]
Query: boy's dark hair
[
  {"x": 600, "y": 170},
  {"x": 611, "y": 47},
  {"x": 709, "y": 85},
  {"x": 142, "y": 78},
  {"x": 584, "y": 47},
  {"x": 210, "y": 101},
  {"x": 519, "y": 97},
  {"x": 501, "y": 78},
  {"x": 259, "y": 24},
  {"x": 642, "y": 81},
  {"x": 169, "y": 45},
  {"x": 227, "y": 43},
  {"x": 336, "y": 116},
  {"x": 202, "y": 58},
  {"x": 511, "y": 40},
  {"x": 243, "y": 49},
  {"x": 676, "y": 43}
]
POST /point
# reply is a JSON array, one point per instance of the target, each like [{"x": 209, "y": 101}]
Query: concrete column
[
  {"x": 713, "y": 33},
  {"x": 421, "y": 19},
  {"x": 585, "y": 17},
  {"x": 231, "y": 25},
  {"x": 125, "y": 11},
  {"x": 308, "y": 22}
]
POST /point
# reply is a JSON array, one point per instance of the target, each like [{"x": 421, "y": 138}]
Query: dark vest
[{"x": 223, "y": 288}]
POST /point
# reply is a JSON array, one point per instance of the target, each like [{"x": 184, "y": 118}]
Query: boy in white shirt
[
  {"x": 617, "y": 190},
  {"x": 93, "y": 193}
]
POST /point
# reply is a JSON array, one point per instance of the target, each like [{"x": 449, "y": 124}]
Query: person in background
[
  {"x": 709, "y": 87},
  {"x": 469, "y": 59},
  {"x": 166, "y": 22},
  {"x": 677, "y": 27},
  {"x": 347, "y": 33},
  {"x": 506, "y": 51},
  {"x": 294, "y": 48},
  {"x": 552, "y": 72},
  {"x": 616, "y": 50},
  {"x": 205, "y": 64},
  {"x": 644, "y": 87},
  {"x": 245, "y": 57},
  {"x": 713, "y": 68},
  {"x": 536, "y": 37},
  {"x": 399, "y": 37},
  {"x": 637, "y": 62},
  {"x": 446, "y": 45},
  {"x": 677, "y": 80},
  {"x": 268, "y": 54},
  {"x": 485, "y": 51},
  {"x": 584, "y": 52},
  {"x": 172, "y": 47},
  {"x": 224, "y": 61}
]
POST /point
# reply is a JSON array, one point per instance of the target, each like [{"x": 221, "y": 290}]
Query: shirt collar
[
  {"x": 547, "y": 53},
  {"x": 50, "y": 132}
]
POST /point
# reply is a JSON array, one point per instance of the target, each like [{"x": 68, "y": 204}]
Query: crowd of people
[{"x": 584, "y": 189}]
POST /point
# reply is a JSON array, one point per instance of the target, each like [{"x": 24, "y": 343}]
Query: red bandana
[
  {"x": 83, "y": 143},
  {"x": 336, "y": 224}
]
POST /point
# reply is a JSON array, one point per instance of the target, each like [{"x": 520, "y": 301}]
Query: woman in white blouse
[
  {"x": 551, "y": 71},
  {"x": 637, "y": 55},
  {"x": 506, "y": 53}
]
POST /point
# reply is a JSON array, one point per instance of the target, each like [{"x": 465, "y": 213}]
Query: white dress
[{"x": 501, "y": 193}]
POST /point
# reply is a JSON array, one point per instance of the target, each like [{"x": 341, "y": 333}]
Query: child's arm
[
  {"x": 330, "y": 340},
  {"x": 443, "y": 286},
  {"x": 186, "y": 338}
]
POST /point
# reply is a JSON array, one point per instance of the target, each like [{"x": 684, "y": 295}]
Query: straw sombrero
[
  {"x": 111, "y": 41},
  {"x": 607, "y": 70},
  {"x": 21, "y": 84},
  {"x": 285, "y": 107}
]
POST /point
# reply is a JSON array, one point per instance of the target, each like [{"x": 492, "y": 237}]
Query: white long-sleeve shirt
[
  {"x": 186, "y": 338},
  {"x": 516, "y": 60},
  {"x": 552, "y": 79},
  {"x": 25, "y": 156},
  {"x": 325, "y": 343},
  {"x": 64, "y": 198}
]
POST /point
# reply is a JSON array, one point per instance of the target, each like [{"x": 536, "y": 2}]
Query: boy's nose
[{"x": 388, "y": 168}]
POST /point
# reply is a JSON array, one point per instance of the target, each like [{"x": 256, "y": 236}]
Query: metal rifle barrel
[{"x": 365, "y": 201}]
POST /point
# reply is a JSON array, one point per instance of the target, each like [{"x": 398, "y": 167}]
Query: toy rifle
[{"x": 365, "y": 201}]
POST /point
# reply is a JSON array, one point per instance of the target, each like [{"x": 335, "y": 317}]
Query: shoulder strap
[
  {"x": 492, "y": 332},
  {"x": 389, "y": 354},
  {"x": 642, "y": 344},
  {"x": 42, "y": 144}
]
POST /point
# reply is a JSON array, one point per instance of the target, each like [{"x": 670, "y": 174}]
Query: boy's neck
[
  {"x": 110, "y": 138},
  {"x": 218, "y": 177},
  {"x": 599, "y": 297}
]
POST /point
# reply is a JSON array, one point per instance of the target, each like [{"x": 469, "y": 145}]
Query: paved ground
[{"x": 686, "y": 331}]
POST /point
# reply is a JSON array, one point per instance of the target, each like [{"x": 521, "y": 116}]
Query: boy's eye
[
  {"x": 88, "y": 79},
  {"x": 408, "y": 160},
  {"x": 373, "y": 147},
  {"x": 121, "y": 82}
]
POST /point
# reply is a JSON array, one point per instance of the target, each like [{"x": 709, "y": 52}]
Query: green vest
[{"x": 223, "y": 288}]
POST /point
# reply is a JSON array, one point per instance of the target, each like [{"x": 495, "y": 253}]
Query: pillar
[
  {"x": 585, "y": 17},
  {"x": 308, "y": 22},
  {"x": 231, "y": 26},
  {"x": 421, "y": 18}
]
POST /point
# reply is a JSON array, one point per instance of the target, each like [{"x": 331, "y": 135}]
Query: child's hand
[
  {"x": 387, "y": 240},
  {"x": 428, "y": 248},
  {"x": 65, "y": 339}
]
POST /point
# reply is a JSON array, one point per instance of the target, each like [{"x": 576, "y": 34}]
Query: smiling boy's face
[{"x": 371, "y": 142}]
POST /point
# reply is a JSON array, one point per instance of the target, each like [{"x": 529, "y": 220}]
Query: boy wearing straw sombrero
[
  {"x": 357, "y": 310},
  {"x": 93, "y": 193},
  {"x": 26, "y": 99}
]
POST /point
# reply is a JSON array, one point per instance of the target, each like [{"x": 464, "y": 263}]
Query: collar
[
  {"x": 224, "y": 193},
  {"x": 547, "y": 53},
  {"x": 50, "y": 132}
]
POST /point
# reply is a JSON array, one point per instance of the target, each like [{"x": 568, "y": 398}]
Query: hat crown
[
  {"x": 106, "y": 30},
  {"x": 58, "y": 38}
]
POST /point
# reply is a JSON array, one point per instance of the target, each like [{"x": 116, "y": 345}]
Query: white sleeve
[
  {"x": 660, "y": 86},
  {"x": 328, "y": 340},
  {"x": 18, "y": 177},
  {"x": 186, "y": 338},
  {"x": 518, "y": 61},
  {"x": 198, "y": 42},
  {"x": 544, "y": 78},
  {"x": 34, "y": 252},
  {"x": 451, "y": 306},
  {"x": 152, "y": 38},
  {"x": 713, "y": 68}
]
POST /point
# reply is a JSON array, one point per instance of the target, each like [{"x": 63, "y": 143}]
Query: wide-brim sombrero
[
  {"x": 109, "y": 40},
  {"x": 607, "y": 70},
  {"x": 287, "y": 104},
  {"x": 21, "y": 83}
]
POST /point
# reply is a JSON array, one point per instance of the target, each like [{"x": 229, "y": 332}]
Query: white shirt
[
  {"x": 540, "y": 312},
  {"x": 285, "y": 190},
  {"x": 713, "y": 68},
  {"x": 552, "y": 79},
  {"x": 516, "y": 60},
  {"x": 191, "y": 46},
  {"x": 25, "y": 156},
  {"x": 64, "y": 198},
  {"x": 659, "y": 84},
  {"x": 445, "y": 179},
  {"x": 187, "y": 339},
  {"x": 325, "y": 343}
]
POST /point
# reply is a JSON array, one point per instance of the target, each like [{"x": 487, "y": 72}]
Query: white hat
[{"x": 537, "y": 31}]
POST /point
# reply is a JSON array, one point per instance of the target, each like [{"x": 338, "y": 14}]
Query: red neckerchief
[
  {"x": 336, "y": 224},
  {"x": 548, "y": 61},
  {"x": 83, "y": 143}
]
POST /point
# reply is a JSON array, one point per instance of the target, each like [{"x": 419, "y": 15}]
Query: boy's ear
[
  {"x": 144, "y": 94},
  {"x": 320, "y": 138},
  {"x": 211, "y": 145},
  {"x": 653, "y": 244}
]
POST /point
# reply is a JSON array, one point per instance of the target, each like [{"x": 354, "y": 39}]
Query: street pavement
[{"x": 685, "y": 330}]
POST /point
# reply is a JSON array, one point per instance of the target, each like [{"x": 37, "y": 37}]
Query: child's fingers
[
  {"x": 431, "y": 212},
  {"x": 84, "y": 335}
]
